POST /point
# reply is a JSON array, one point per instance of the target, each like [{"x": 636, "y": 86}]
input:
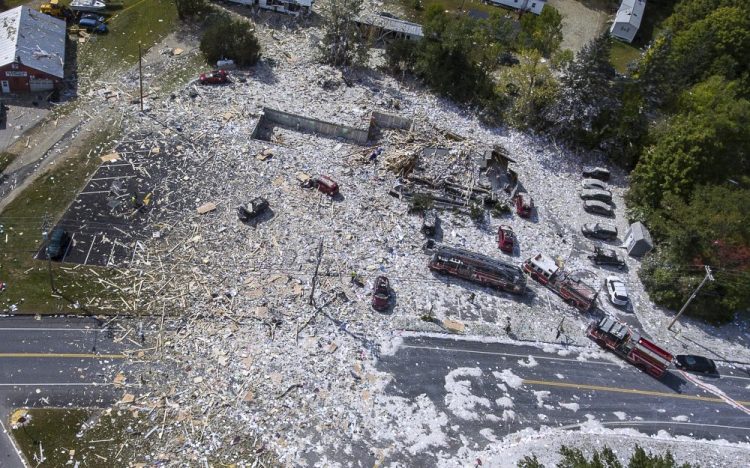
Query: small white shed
[
  {"x": 533, "y": 6},
  {"x": 628, "y": 20}
]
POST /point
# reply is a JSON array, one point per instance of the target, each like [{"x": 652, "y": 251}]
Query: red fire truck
[
  {"x": 630, "y": 345},
  {"x": 575, "y": 292},
  {"x": 478, "y": 268}
]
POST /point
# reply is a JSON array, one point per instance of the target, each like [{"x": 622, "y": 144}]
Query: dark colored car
[
  {"x": 693, "y": 363},
  {"x": 524, "y": 205},
  {"x": 596, "y": 172},
  {"x": 381, "y": 293},
  {"x": 599, "y": 231},
  {"x": 505, "y": 239},
  {"x": 594, "y": 184},
  {"x": 93, "y": 23},
  {"x": 598, "y": 207},
  {"x": 602, "y": 256},
  {"x": 256, "y": 206},
  {"x": 214, "y": 77},
  {"x": 58, "y": 242},
  {"x": 429, "y": 222},
  {"x": 327, "y": 185}
]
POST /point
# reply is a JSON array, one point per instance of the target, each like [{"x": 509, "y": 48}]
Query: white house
[
  {"x": 291, "y": 7},
  {"x": 533, "y": 6},
  {"x": 628, "y": 20}
]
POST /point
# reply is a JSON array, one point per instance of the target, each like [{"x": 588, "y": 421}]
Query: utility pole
[
  {"x": 45, "y": 237},
  {"x": 692, "y": 296},
  {"x": 140, "y": 72}
]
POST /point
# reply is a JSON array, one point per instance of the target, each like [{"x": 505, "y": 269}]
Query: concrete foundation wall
[
  {"x": 306, "y": 124},
  {"x": 390, "y": 121}
]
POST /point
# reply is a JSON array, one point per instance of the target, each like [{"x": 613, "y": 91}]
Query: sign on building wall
[{"x": 15, "y": 73}]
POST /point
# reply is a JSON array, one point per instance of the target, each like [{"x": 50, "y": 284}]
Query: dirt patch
[{"x": 582, "y": 21}]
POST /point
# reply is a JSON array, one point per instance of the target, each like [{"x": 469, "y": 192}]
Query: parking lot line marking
[
  {"x": 94, "y": 193},
  {"x": 93, "y": 241},
  {"x": 110, "y": 178},
  {"x": 642, "y": 423},
  {"x": 62, "y": 355},
  {"x": 634, "y": 391},
  {"x": 493, "y": 353}
]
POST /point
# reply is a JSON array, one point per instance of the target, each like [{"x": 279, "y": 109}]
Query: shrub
[{"x": 226, "y": 38}]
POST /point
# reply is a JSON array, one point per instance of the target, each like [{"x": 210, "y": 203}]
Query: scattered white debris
[
  {"x": 621, "y": 415},
  {"x": 681, "y": 418},
  {"x": 540, "y": 396},
  {"x": 504, "y": 402},
  {"x": 458, "y": 398},
  {"x": 507, "y": 376},
  {"x": 530, "y": 362},
  {"x": 571, "y": 406}
]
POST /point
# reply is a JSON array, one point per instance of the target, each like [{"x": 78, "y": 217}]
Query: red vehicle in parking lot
[
  {"x": 381, "y": 293},
  {"x": 327, "y": 185},
  {"x": 524, "y": 205},
  {"x": 214, "y": 77},
  {"x": 505, "y": 239}
]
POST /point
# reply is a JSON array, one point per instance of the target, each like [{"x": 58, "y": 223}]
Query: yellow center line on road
[
  {"x": 634, "y": 391},
  {"x": 62, "y": 355}
]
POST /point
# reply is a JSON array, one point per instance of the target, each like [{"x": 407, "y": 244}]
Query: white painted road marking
[
  {"x": 493, "y": 353},
  {"x": 93, "y": 241}
]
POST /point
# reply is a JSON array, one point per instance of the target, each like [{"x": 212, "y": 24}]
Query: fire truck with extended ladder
[
  {"x": 544, "y": 270},
  {"x": 478, "y": 268},
  {"x": 630, "y": 345}
]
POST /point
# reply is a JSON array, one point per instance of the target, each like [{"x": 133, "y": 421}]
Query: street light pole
[{"x": 692, "y": 296}]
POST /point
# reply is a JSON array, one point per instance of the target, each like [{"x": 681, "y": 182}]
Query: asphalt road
[
  {"x": 514, "y": 391},
  {"x": 55, "y": 362}
]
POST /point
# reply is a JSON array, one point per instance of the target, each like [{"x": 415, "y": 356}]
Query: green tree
[
  {"x": 574, "y": 458},
  {"x": 445, "y": 58},
  {"x": 542, "y": 32},
  {"x": 227, "y": 38},
  {"x": 709, "y": 229},
  {"x": 588, "y": 95},
  {"x": 532, "y": 88},
  {"x": 705, "y": 143},
  {"x": 190, "y": 8},
  {"x": 495, "y": 38},
  {"x": 342, "y": 43},
  {"x": 400, "y": 55}
]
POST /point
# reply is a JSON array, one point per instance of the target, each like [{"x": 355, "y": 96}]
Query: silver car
[
  {"x": 597, "y": 194},
  {"x": 598, "y": 207}
]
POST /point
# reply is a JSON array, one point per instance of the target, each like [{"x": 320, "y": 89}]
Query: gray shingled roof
[{"x": 37, "y": 39}]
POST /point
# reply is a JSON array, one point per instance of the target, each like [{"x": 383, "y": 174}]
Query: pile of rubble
[{"x": 273, "y": 337}]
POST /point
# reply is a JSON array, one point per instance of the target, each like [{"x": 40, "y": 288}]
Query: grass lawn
[
  {"x": 5, "y": 160},
  {"x": 144, "y": 21},
  {"x": 453, "y": 6},
  {"x": 112, "y": 438},
  {"x": 21, "y": 237},
  {"x": 622, "y": 55}
]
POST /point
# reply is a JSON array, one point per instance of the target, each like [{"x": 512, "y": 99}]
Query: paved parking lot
[{"x": 104, "y": 224}]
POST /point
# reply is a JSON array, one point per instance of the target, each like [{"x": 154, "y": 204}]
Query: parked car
[
  {"x": 93, "y": 23},
  {"x": 524, "y": 204},
  {"x": 602, "y": 256},
  {"x": 693, "y": 363},
  {"x": 327, "y": 185},
  {"x": 256, "y": 206},
  {"x": 594, "y": 184},
  {"x": 596, "y": 172},
  {"x": 599, "y": 231},
  {"x": 381, "y": 293},
  {"x": 598, "y": 207},
  {"x": 214, "y": 77},
  {"x": 596, "y": 194},
  {"x": 429, "y": 222},
  {"x": 505, "y": 239},
  {"x": 58, "y": 242},
  {"x": 617, "y": 291}
]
